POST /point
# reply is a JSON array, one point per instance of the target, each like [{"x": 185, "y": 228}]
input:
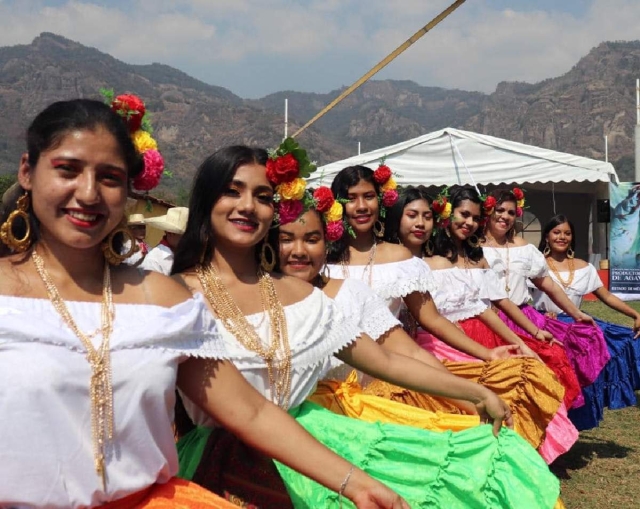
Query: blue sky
[{"x": 256, "y": 47}]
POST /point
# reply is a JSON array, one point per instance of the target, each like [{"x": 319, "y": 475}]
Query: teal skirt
[{"x": 467, "y": 469}]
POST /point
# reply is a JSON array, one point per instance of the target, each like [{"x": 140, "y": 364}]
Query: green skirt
[{"x": 466, "y": 469}]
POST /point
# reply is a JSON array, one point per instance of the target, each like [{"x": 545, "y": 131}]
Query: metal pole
[
  {"x": 606, "y": 148},
  {"x": 358, "y": 148},
  {"x": 286, "y": 118},
  {"x": 637, "y": 132}
]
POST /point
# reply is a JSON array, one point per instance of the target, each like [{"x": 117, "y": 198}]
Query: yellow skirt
[{"x": 526, "y": 385}]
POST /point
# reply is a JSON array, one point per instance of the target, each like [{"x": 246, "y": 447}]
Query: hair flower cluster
[
  {"x": 519, "y": 196},
  {"x": 441, "y": 208},
  {"x": 331, "y": 210},
  {"x": 287, "y": 167},
  {"x": 388, "y": 194},
  {"x": 133, "y": 111}
]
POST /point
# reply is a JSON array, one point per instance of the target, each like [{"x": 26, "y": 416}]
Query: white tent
[
  {"x": 555, "y": 182},
  {"x": 452, "y": 156}
]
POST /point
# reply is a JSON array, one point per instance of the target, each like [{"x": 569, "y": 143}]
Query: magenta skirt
[{"x": 584, "y": 344}]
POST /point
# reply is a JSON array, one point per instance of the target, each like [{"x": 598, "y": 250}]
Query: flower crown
[
  {"x": 287, "y": 167},
  {"x": 388, "y": 195},
  {"x": 441, "y": 207},
  {"x": 489, "y": 202},
  {"x": 331, "y": 211},
  {"x": 132, "y": 109}
]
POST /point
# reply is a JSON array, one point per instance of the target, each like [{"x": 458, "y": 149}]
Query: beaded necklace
[
  {"x": 277, "y": 356},
  {"x": 100, "y": 385},
  {"x": 368, "y": 267},
  {"x": 565, "y": 284}
]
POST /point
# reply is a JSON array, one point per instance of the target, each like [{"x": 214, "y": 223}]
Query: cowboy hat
[
  {"x": 136, "y": 220},
  {"x": 174, "y": 221}
]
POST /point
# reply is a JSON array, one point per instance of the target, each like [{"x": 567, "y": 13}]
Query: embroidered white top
[
  {"x": 360, "y": 305},
  {"x": 525, "y": 262},
  {"x": 457, "y": 296},
  {"x": 46, "y": 457},
  {"x": 317, "y": 329},
  {"x": 585, "y": 280},
  {"x": 390, "y": 281},
  {"x": 490, "y": 285}
]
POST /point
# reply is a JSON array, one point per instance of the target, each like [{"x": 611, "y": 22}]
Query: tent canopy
[{"x": 452, "y": 156}]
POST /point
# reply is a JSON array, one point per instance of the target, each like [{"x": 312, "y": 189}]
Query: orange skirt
[{"x": 175, "y": 494}]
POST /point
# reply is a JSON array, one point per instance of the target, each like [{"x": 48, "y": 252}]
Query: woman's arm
[
  {"x": 615, "y": 303},
  {"x": 492, "y": 320},
  {"x": 219, "y": 389},
  {"x": 509, "y": 308},
  {"x": 560, "y": 299},
  {"x": 366, "y": 355},
  {"x": 424, "y": 311}
]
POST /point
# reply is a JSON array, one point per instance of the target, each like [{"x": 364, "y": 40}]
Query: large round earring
[
  {"x": 570, "y": 253},
  {"x": 324, "y": 275},
  {"x": 378, "y": 229},
  {"x": 428, "y": 248},
  {"x": 547, "y": 249},
  {"x": 6, "y": 230},
  {"x": 473, "y": 241},
  {"x": 267, "y": 261},
  {"x": 113, "y": 256}
]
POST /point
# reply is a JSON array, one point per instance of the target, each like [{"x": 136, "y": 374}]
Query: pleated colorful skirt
[
  {"x": 468, "y": 469},
  {"x": 615, "y": 385}
]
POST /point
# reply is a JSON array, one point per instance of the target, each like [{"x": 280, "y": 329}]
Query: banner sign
[{"x": 624, "y": 240}]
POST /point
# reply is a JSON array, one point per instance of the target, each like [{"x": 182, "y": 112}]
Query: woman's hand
[
  {"x": 636, "y": 326},
  {"x": 547, "y": 337},
  {"x": 493, "y": 409},
  {"x": 551, "y": 314},
  {"x": 368, "y": 493},
  {"x": 505, "y": 352},
  {"x": 527, "y": 352},
  {"x": 584, "y": 318}
]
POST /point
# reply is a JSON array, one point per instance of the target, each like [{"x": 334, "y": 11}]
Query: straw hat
[
  {"x": 136, "y": 220},
  {"x": 174, "y": 221}
]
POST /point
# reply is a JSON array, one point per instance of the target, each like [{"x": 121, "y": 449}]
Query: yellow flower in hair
[
  {"x": 389, "y": 185},
  {"x": 520, "y": 203},
  {"x": 446, "y": 213},
  {"x": 293, "y": 190},
  {"x": 143, "y": 141},
  {"x": 334, "y": 213}
]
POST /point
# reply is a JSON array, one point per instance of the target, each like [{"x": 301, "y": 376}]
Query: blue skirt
[{"x": 614, "y": 388}]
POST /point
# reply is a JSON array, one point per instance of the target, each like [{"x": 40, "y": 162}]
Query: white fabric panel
[{"x": 432, "y": 159}]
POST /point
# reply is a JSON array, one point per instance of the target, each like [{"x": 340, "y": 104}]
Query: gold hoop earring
[
  {"x": 378, "y": 229},
  {"x": 475, "y": 242},
  {"x": 267, "y": 262},
  {"x": 570, "y": 253},
  {"x": 428, "y": 248},
  {"x": 6, "y": 230},
  {"x": 113, "y": 256},
  {"x": 547, "y": 249}
]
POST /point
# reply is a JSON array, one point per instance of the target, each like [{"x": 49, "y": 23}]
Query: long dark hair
[
  {"x": 444, "y": 244},
  {"x": 47, "y": 131},
  {"x": 346, "y": 178},
  {"x": 212, "y": 178},
  {"x": 551, "y": 224},
  {"x": 394, "y": 214}
]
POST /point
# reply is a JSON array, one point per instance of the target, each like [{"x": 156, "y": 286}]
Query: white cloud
[{"x": 474, "y": 49}]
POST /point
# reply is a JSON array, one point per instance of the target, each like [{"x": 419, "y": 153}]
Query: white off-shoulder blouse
[
  {"x": 46, "y": 456},
  {"x": 585, "y": 281},
  {"x": 524, "y": 263}
]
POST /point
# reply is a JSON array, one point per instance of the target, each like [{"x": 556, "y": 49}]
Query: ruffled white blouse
[
  {"x": 490, "y": 285},
  {"x": 457, "y": 296},
  {"x": 316, "y": 328},
  {"x": 360, "y": 305},
  {"x": 524, "y": 263},
  {"x": 46, "y": 457},
  {"x": 585, "y": 280},
  {"x": 390, "y": 281}
]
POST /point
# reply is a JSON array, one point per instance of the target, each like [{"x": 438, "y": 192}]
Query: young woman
[
  {"x": 86, "y": 414},
  {"x": 283, "y": 342},
  {"x": 583, "y": 342},
  {"x": 411, "y": 222},
  {"x": 400, "y": 279},
  {"x": 302, "y": 254},
  {"x": 615, "y": 386}
]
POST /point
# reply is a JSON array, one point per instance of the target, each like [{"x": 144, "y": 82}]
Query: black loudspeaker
[{"x": 604, "y": 211}]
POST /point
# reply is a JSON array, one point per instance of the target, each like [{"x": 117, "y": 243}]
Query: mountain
[{"x": 570, "y": 113}]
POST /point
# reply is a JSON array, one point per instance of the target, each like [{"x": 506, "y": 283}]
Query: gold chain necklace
[
  {"x": 507, "y": 288},
  {"x": 565, "y": 284},
  {"x": 367, "y": 268},
  {"x": 278, "y": 355},
  {"x": 100, "y": 386}
]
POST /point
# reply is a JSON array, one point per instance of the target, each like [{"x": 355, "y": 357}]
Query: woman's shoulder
[
  {"x": 437, "y": 262},
  {"x": 291, "y": 289},
  {"x": 580, "y": 264},
  {"x": 155, "y": 288},
  {"x": 520, "y": 242},
  {"x": 387, "y": 252}
]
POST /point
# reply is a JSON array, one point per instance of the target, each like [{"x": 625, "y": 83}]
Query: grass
[{"x": 602, "y": 469}]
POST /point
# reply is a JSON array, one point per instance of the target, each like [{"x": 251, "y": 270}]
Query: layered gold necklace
[
  {"x": 100, "y": 385},
  {"x": 552, "y": 265},
  {"x": 277, "y": 356},
  {"x": 368, "y": 268}
]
